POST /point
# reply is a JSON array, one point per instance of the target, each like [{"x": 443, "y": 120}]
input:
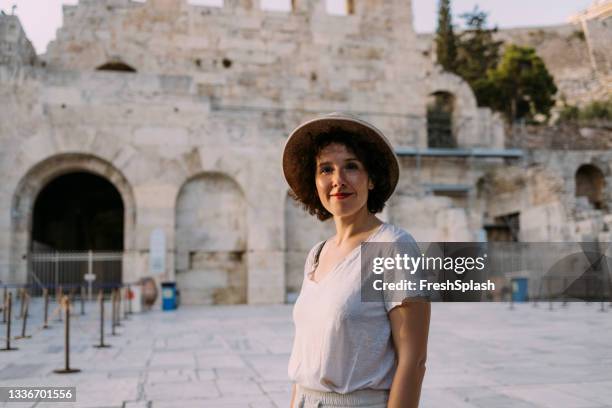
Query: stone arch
[
  {"x": 440, "y": 119},
  {"x": 302, "y": 232},
  {"x": 33, "y": 182},
  {"x": 590, "y": 183},
  {"x": 211, "y": 240},
  {"x": 465, "y": 108},
  {"x": 465, "y": 101}
]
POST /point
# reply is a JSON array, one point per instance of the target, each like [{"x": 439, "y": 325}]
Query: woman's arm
[
  {"x": 292, "y": 395},
  {"x": 410, "y": 329}
]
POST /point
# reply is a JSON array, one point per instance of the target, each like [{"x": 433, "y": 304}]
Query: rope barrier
[
  {"x": 120, "y": 298},
  {"x": 65, "y": 285},
  {"x": 41, "y": 328}
]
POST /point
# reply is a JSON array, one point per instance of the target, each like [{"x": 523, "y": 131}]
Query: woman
[{"x": 348, "y": 352}]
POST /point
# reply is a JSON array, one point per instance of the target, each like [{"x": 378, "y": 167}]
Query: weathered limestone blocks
[
  {"x": 192, "y": 139},
  {"x": 15, "y": 48}
]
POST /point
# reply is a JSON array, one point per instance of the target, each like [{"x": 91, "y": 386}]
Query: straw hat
[{"x": 300, "y": 142}]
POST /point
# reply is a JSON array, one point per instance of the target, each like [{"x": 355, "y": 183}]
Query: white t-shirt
[{"x": 341, "y": 343}]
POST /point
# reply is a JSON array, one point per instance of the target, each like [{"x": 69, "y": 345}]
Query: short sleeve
[{"x": 408, "y": 280}]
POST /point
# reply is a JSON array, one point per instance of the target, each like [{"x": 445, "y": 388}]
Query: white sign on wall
[{"x": 157, "y": 252}]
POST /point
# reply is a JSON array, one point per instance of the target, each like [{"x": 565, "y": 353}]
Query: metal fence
[{"x": 71, "y": 270}]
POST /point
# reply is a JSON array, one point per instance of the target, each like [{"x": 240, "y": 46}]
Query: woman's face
[{"x": 342, "y": 181}]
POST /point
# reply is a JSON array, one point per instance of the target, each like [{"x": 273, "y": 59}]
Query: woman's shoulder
[
  {"x": 313, "y": 251},
  {"x": 393, "y": 233}
]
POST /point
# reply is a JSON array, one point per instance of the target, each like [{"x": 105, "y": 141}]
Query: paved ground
[{"x": 481, "y": 355}]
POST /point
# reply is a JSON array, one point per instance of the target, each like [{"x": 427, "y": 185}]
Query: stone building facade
[{"x": 168, "y": 119}]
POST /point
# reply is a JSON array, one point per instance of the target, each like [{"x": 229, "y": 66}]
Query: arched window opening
[
  {"x": 440, "y": 109},
  {"x": 590, "y": 183},
  {"x": 115, "y": 66}
]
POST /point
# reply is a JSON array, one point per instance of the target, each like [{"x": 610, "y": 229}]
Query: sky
[{"x": 41, "y": 18}]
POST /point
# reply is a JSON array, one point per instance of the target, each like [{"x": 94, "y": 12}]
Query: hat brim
[{"x": 303, "y": 137}]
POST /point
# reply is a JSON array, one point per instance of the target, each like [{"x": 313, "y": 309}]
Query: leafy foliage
[
  {"x": 520, "y": 86},
  {"x": 477, "y": 50},
  {"x": 446, "y": 41},
  {"x": 516, "y": 84}
]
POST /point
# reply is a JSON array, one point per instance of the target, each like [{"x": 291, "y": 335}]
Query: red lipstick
[{"x": 341, "y": 196}]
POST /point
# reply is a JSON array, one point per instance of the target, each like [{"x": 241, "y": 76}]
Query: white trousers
[{"x": 307, "y": 398}]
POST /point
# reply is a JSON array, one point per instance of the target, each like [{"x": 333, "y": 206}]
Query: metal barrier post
[
  {"x": 66, "y": 369},
  {"x": 22, "y": 292},
  {"x": 4, "y": 302},
  {"x": 82, "y": 300},
  {"x": 89, "y": 273},
  {"x": 71, "y": 295},
  {"x": 131, "y": 295},
  {"x": 59, "y": 295},
  {"x": 8, "y": 324},
  {"x": 114, "y": 313},
  {"x": 46, "y": 311},
  {"x": 118, "y": 300},
  {"x": 101, "y": 301},
  {"x": 25, "y": 319}
]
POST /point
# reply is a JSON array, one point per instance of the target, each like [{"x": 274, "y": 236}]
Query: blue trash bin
[
  {"x": 519, "y": 290},
  {"x": 168, "y": 295}
]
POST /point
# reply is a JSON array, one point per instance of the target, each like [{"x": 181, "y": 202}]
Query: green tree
[
  {"x": 520, "y": 86},
  {"x": 446, "y": 41},
  {"x": 477, "y": 52}
]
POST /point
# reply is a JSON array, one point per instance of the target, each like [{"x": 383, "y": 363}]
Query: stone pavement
[{"x": 480, "y": 355}]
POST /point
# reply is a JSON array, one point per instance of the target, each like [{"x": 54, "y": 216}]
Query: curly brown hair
[{"x": 306, "y": 192}]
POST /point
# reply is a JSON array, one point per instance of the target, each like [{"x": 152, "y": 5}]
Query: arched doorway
[
  {"x": 48, "y": 185},
  {"x": 590, "y": 183},
  {"x": 77, "y": 229},
  {"x": 211, "y": 241},
  {"x": 78, "y": 212}
]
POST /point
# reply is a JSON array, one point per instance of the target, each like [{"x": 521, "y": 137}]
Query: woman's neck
[{"x": 354, "y": 224}]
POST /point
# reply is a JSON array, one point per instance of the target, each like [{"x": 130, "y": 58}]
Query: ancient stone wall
[
  {"x": 190, "y": 131},
  {"x": 564, "y": 136},
  {"x": 596, "y": 22},
  {"x": 543, "y": 191},
  {"x": 305, "y": 61},
  {"x": 15, "y": 48}
]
